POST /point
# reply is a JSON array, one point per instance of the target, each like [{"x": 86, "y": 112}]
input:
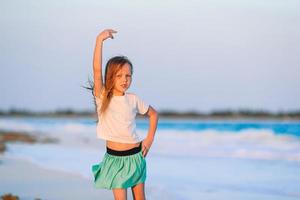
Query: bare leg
[
  {"x": 120, "y": 194},
  {"x": 138, "y": 191}
]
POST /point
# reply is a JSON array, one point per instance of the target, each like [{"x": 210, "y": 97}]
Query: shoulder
[
  {"x": 135, "y": 98},
  {"x": 131, "y": 95}
]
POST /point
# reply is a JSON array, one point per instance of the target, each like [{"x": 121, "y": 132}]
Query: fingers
[
  {"x": 145, "y": 150},
  {"x": 111, "y": 31},
  {"x": 107, "y": 33}
]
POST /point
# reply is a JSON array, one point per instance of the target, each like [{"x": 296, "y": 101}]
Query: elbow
[
  {"x": 155, "y": 114},
  {"x": 152, "y": 113}
]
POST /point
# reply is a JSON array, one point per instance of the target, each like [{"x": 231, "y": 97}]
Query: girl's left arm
[{"x": 153, "y": 119}]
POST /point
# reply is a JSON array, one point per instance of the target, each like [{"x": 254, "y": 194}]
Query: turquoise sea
[{"x": 189, "y": 159}]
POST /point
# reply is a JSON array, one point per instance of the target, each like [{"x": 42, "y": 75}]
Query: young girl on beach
[{"x": 124, "y": 163}]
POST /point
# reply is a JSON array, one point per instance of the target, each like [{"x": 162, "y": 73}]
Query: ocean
[{"x": 189, "y": 159}]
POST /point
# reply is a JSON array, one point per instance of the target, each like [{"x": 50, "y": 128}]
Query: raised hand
[
  {"x": 107, "y": 33},
  {"x": 97, "y": 60}
]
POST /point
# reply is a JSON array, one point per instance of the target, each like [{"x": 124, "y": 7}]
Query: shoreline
[
  {"x": 162, "y": 117},
  {"x": 28, "y": 181},
  {"x": 30, "y": 176}
]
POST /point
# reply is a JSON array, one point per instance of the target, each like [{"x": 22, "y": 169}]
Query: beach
[
  {"x": 189, "y": 160},
  {"x": 42, "y": 178},
  {"x": 28, "y": 181}
]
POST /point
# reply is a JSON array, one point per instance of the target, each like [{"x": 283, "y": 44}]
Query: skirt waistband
[{"x": 125, "y": 152}]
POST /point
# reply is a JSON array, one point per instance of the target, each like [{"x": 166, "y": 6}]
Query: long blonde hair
[{"x": 113, "y": 65}]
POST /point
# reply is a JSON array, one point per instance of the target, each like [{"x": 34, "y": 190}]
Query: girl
[{"x": 124, "y": 163}]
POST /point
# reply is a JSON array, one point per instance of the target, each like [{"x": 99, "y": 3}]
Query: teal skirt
[{"x": 119, "y": 171}]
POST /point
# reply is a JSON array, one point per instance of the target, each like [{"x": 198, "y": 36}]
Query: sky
[{"x": 187, "y": 55}]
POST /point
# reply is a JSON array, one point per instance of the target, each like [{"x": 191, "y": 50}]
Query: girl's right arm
[{"x": 97, "y": 60}]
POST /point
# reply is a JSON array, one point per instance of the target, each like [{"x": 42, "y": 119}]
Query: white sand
[{"x": 29, "y": 181}]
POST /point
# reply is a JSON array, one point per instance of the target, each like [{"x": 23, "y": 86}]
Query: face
[{"x": 122, "y": 80}]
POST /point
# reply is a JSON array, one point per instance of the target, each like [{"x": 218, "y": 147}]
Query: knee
[
  {"x": 120, "y": 194},
  {"x": 138, "y": 197},
  {"x": 138, "y": 192}
]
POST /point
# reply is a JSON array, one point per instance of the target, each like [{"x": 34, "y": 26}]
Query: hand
[
  {"x": 107, "y": 33},
  {"x": 146, "y": 144}
]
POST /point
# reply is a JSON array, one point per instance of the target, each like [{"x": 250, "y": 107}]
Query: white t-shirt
[{"x": 118, "y": 123}]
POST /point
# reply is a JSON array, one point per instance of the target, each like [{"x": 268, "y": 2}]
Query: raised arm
[{"x": 97, "y": 60}]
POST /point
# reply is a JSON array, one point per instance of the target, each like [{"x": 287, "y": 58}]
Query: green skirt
[{"x": 119, "y": 171}]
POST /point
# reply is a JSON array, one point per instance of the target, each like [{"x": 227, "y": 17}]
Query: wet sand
[{"x": 28, "y": 181}]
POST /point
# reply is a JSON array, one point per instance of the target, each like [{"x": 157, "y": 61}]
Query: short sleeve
[{"x": 142, "y": 106}]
